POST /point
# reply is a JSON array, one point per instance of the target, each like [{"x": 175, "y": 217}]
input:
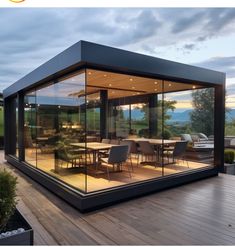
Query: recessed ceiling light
[
  {"x": 112, "y": 91},
  {"x": 110, "y": 85},
  {"x": 138, "y": 93},
  {"x": 131, "y": 79},
  {"x": 105, "y": 75},
  {"x": 194, "y": 87},
  {"x": 89, "y": 73},
  {"x": 133, "y": 87},
  {"x": 169, "y": 84},
  {"x": 155, "y": 82},
  {"x": 155, "y": 89}
]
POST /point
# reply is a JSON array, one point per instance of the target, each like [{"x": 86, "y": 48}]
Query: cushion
[
  {"x": 202, "y": 136},
  {"x": 195, "y": 137},
  {"x": 186, "y": 137}
]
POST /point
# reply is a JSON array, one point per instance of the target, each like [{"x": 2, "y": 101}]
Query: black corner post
[
  {"x": 9, "y": 133},
  {"x": 21, "y": 126},
  {"x": 219, "y": 119},
  {"x": 153, "y": 123},
  {"x": 103, "y": 114}
]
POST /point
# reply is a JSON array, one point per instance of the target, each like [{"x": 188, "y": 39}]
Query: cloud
[
  {"x": 30, "y": 37},
  {"x": 189, "y": 46},
  {"x": 223, "y": 64}
]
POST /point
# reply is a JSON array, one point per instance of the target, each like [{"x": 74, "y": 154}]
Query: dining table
[
  {"x": 154, "y": 141},
  {"x": 159, "y": 144},
  {"x": 94, "y": 147}
]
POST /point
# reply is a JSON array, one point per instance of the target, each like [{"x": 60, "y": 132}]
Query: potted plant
[
  {"x": 229, "y": 165},
  {"x": 14, "y": 230}
]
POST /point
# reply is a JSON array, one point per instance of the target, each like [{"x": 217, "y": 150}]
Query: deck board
[{"x": 199, "y": 213}]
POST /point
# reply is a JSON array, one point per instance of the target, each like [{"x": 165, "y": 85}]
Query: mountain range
[{"x": 177, "y": 116}]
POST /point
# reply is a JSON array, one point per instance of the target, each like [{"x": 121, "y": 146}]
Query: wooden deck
[{"x": 200, "y": 213}]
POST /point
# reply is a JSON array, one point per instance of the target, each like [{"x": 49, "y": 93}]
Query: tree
[
  {"x": 162, "y": 111},
  {"x": 202, "y": 116}
]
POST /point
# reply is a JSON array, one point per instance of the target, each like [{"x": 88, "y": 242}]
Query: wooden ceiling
[{"x": 122, "y": 85}]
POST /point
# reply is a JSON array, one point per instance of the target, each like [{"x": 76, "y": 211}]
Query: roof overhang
[{"x": 91, "y": 55}]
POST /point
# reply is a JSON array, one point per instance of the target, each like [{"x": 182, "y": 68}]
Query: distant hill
[
  {"x": 176, "y": 116},
  {"x": 230, "y": 115}
]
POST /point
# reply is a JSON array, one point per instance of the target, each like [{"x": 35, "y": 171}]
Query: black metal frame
[{"x": 89, "y": 55}]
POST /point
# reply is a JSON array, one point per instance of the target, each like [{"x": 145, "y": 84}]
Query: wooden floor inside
[
  {"x": 200, "y": 213},
  {"x": 98, "y": 180}
]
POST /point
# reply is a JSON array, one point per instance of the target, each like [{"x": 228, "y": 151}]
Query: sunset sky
[{"x": 202, "y": 37}]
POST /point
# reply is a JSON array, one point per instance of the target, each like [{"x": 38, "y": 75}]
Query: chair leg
[
  {"x": 108, "y": 174},
  {"x": 138, "y": 159},
  {"x": 128, "y": 168},
  {"x": 131, "y": 162}
]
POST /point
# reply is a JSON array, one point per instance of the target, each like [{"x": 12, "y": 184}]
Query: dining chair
[
  {"x": 106, "y": 141},
  {"x": 134, "y": 150},
  {"x": 128, "y": 143},
  {"x": 117, "y": 156},
  {"x": 178, "y": 152},
  {"x": 114, "y": 141},
  {"x": 149, "y": 155}
]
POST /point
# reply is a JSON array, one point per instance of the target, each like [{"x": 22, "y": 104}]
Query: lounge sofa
[
  {"x": 197, "y": 138},
  {"x": 200, "y": 147}
]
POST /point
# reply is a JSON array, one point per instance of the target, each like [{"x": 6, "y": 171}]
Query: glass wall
[
  {"x": 30, "y": 128},
  {"x": 73, "y": 124},
  {"x": 55, "y": 120}
]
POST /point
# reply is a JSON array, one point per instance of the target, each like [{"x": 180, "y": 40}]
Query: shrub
[
  {"x": 229, "y": 156},
  {"x": 166, "y": 134},
  {"x": 7, "y": 197}
]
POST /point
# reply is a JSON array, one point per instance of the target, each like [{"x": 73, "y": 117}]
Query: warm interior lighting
[
  {"x": 105, "y": 75},
  {"x": 194, "y": 87},
  {"x": 16, "y": 1},
  {"x": 133, "y": 87},
  {"x": 155, "y": 82},
  {"x": 110, "y": 85},
  {"x": 89, "y": 73},
  {"x": 131, "y": 79},
  {"x": 169, "y": 84}
]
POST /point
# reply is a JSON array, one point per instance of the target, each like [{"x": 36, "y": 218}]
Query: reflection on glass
[
  {"x": 139, "y": 116},
  {"x": 54, "y": 125},
  {"x": 189, "y": 117},
  {"x": 30, "y": 128},
  {"x": 93, "y": 117}
]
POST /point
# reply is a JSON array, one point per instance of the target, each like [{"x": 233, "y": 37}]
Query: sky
[{"x": 203, "y": 37}]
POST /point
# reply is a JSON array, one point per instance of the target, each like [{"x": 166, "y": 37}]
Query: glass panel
[
  {"x": 134, "y": 114},
  {"x": 61, "y": 117},
  {"x": 189, "y": 121},
  {"x": 93, "y": 117},
  {"x": 139, "y": 116},
  {"x": 30, "y": 128}
]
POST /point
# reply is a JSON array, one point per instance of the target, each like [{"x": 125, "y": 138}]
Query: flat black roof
[{"x": 87, "y": 54}]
